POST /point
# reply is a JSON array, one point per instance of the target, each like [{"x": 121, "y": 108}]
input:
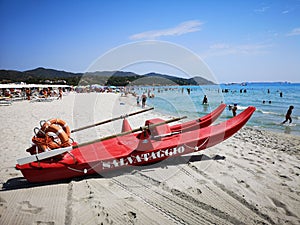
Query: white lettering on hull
[{"x": 143, "y": 157}]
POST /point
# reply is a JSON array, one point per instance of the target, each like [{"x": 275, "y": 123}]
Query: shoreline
[{"x": 253, "y": 177}]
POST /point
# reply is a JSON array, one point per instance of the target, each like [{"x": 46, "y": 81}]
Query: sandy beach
[{"x": 251, "y": 178}]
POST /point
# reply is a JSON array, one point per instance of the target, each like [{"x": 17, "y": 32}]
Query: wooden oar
[
  {"x": 110, "y": 120},
  {"x": 54, "y": 152}
]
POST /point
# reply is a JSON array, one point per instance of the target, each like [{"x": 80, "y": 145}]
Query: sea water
[{"x": 271, "y": 100}]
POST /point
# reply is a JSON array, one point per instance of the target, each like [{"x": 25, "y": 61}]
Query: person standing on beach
[
  {"x": 60, "y": 93},
  {"x": 144, "y": 98},
  {"x": 234, "y": 108},
  {"x": 288, "y": 115},
  {"x": 28, "y": 93}
]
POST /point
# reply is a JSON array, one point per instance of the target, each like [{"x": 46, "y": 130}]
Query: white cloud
[
  {"x": 285, "y": 11},
  {"x": 222, "y": 49},
  {"x": 294, "y": 32},
  {"x": 262, "y": 9},
  {"x": 182, "y": 28},
  {"x": 219, "y": 46}
]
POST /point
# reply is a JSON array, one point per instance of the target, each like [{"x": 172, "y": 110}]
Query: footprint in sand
[
  {"x": 283, "y": 206},
  {"x": 230, "y": 167},
  {"x": 164, "y": 186},
  {"x": 25, "y": 206},
  {"x": 44, "y": 223},
  {"x": 131, "y": 199},
  {"x": 104, "y": 217},
  {"x": 285, "y": 177},
  {"x": 2, "y": 205},
  {"x": 13, "y": 174},
  {"x": 201, "y": 181},
  {"x": 194, "y": 190},
  {"x": 130, "y": 217}
]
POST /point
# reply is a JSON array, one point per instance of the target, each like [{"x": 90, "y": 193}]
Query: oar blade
[{"x": 43, "y": 155}]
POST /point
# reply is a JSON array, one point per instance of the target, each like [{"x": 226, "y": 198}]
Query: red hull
[
  {"x": 201, "y": 122},
  {"x": 132, "y": 150}
]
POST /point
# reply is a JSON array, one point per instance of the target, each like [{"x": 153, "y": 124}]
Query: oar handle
[
  {"x": 131, "y": 131},
  {"x": 110, "y": 120}
]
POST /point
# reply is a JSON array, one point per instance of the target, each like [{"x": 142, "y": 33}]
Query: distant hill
[
  {"x": 50, "y": 73},
  {"x": 116, "y": 78},
  {"x": 111, "y": 73},
  {"x": 38, "y": 75}
]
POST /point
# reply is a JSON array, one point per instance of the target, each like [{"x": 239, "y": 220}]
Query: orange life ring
[
  {"x": 46, "y": 143},
  {"x": 63, "y": 136},
  {"x": 59, "y": 122}
]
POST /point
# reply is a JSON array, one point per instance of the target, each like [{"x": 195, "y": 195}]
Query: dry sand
[{"x": 251, "y": 178}]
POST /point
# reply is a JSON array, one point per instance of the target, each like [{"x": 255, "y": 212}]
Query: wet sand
[{"x": 251, "y": 178}]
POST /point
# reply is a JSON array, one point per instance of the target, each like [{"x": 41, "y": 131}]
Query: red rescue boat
[{"x": 154, "y": 142}]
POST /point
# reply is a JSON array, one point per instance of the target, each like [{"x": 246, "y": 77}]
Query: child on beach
[{"x": 288, "y": 115}]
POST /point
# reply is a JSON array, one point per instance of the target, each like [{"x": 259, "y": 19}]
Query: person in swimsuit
[
  {"x": 288, "y": 115},
  {"x": 205, "y": 101},
  {"x": 234, "y": 108}
]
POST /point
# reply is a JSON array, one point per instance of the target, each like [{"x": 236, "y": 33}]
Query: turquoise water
[{"x": 177, "y": 102}]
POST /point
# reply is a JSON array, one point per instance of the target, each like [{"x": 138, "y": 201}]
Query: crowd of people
[
  {"x": 29, "y": 93},
  {"x": 205, "y": 102}
]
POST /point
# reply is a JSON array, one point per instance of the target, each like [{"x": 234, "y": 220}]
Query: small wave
[
  {"x": 268, "y": 112},
  {"x": 242, "y": 107},
  {"x": 272, "y": 123}
]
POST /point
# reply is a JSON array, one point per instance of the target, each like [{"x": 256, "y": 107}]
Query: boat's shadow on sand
[{"x": 21, "y": 182}]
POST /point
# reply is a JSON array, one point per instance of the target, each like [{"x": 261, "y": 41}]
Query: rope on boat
[
  {"x": 196, "y": 148},
  {"x": 84, "y": 170}
]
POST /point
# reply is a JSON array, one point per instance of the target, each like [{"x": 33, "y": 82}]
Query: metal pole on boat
[
  {"x": 131, "y": 131},
  {"x": 110, "y": 120}
]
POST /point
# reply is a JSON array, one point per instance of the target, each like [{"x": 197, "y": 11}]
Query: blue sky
[{"x": 238, "y": 40}]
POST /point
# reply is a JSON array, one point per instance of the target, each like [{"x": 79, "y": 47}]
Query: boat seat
[{"x": 158, "y": 130}]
